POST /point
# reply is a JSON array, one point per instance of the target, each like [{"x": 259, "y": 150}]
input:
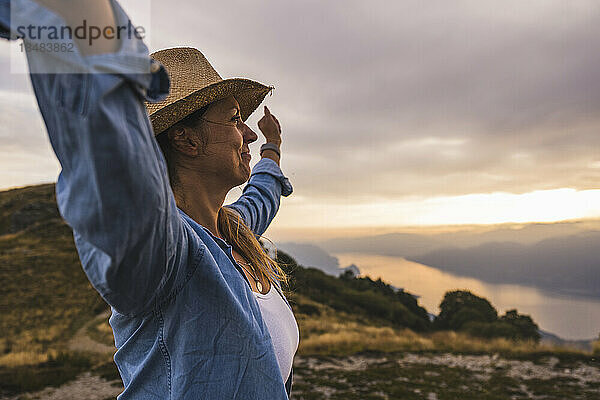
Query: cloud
[
  {"x": 21, "y": 126},
  {"x": 501, "y": 97},
  {"x": 396, "y": 100},
  {"x": 26, "y": 156}
]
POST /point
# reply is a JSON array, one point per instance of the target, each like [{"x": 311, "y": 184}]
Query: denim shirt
[{"x": 185, "y": 321}]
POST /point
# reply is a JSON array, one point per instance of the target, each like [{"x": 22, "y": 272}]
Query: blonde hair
[
  {"x": 229, "y": 223},
  {"x": 242, "y": 239}
]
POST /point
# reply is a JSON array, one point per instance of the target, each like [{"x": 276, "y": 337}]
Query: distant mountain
[
  {"x": 391, "y": 244},
  {"x": 311, "y": 255},
  {"x": 550, "y": 338},
  {"x": 568, "y": 264},
  {"x": 413, "y": 245},
  {"x": 561, "y": 257}
]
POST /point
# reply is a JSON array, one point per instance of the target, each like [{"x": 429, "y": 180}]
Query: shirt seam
[
  {"x": 197, "y": 259},
  {"x": 284, "y": 182},
  {"x": 163, "y": 348}
]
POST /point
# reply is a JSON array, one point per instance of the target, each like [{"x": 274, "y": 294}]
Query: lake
[{"x": 569, "y": 317}]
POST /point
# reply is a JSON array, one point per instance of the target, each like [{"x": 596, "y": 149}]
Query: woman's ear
[{"x": 183, "y": 140}]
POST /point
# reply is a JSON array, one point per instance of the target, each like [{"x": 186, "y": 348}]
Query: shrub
[
  {"x": 523, "y": 325},
  {"x": 490, "y": 330},
  {"x": 461, "y": 310},
  {"x": 375, "y": 301},
  {"x": 461, "y": 306}
]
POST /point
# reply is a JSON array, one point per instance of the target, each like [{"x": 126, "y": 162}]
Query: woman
[
  {"x": 181, "y": 273},
  {"x": 207, "y": 154}
]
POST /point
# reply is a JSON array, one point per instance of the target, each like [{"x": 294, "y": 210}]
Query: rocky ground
[
  {"x": 401, "y": 376},
  {"x": 443, "y": 377}
]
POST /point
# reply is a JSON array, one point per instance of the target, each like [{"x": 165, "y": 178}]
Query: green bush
[
  {"x": 461, "y": 310},
  {"x": 461, "y": 306},
  {"x": 466, "y": 315},
  {"x": 308, "y": 309},
  {"x": 372, "y": 300},
  {"x": 523, "y": 324},
  {"x": 491, "y": 330}
]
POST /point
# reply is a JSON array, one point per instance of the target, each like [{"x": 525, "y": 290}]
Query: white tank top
[{"x": 282, "y": 326}]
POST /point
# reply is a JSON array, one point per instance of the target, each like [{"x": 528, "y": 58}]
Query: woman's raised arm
[
  {"x": 113, "y": 189},
  {"x": 261, "y": 196}
]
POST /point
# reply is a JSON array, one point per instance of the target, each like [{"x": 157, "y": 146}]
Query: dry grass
[
  {"x": 346, "y": 338},
  {"x": 335, "y": 333},
  {"x": 23, "y": 358},
  {"x": 45, "y": 296},
  {"x": 351, "y": 337},
  {"x": 462, "y": 343},
  {"x": 101, "y": 332}
]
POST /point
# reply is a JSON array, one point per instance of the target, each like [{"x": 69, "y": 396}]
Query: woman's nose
[{"x": 248, "y": 134}]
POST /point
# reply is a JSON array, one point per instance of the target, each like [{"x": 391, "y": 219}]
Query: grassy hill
[
  {"x": 45, "y": 295},
  {"x": 46, "y": 302}
]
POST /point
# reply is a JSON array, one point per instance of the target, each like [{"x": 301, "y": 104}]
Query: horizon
[
  {"x": 280, "y": 231},
  {"x": 413, "y": 133}
]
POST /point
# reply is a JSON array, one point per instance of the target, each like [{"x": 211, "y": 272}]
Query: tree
[
  {"x": 525, "y": 327},
  {"x": 461, "y": 306},
  {"x": 410, "y": 301},
  {"x": 461, "y": 310}
]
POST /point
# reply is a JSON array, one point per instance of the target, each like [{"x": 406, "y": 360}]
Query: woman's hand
[
  {"x": 270, "y": 128},
  {"x": 96, "y": 13}
]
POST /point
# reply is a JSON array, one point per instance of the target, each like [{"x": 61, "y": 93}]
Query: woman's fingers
[
  {"x": 269, "y": 115},
  {"x": 269, "y": 126}
]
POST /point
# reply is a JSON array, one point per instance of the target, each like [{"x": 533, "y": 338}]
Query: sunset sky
[{"x": 393, "y": 113}]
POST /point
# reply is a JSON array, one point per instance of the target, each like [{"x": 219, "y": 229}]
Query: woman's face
[{"x": 227, "y": 137}]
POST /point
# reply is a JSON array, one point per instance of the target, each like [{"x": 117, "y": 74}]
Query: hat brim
[{"x": 248, "y": 93}]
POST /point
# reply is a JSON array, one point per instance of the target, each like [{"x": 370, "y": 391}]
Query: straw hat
[{"x": 195, "y": 84}]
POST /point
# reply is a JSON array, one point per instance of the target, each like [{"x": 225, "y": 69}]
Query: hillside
[
  {"x": 45, "y": 298},
  {"x": 45, "y": 295},
  {"x": 354, "y": 333}
]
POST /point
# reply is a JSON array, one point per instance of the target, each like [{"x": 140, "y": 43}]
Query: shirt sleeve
[
  {"x": 261, "y": 196},
  {"x": 4, "y": 19},
  {"x": 113, "y": 189}
]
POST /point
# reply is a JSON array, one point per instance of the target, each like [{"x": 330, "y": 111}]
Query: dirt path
[
  {"x": 82, "y": 342},
  {"x": 86, "y": 386}
]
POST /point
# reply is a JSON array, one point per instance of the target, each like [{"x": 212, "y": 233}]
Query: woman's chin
[{"x": 245, "y": 171}]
